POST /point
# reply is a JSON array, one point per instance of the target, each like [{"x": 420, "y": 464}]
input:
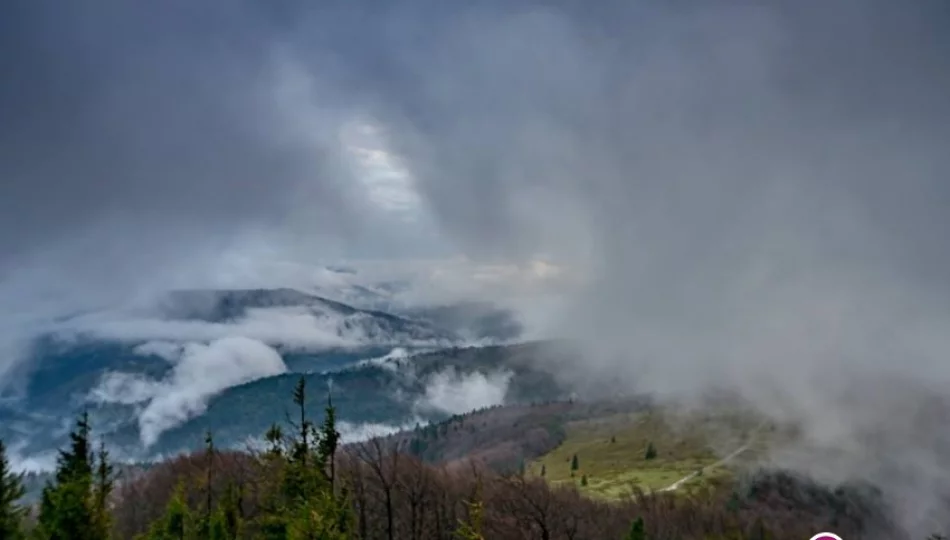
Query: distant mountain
[
  {"x": 226, "y": 360},
  {"x": 143, "y": 352},
  {"x": 473, "y": 320},
  {"x": 228, "y": 306},
  {"x": 389, "y": 394}
]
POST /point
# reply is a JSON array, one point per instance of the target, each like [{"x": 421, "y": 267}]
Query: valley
[{"x": 407, "y": 387}]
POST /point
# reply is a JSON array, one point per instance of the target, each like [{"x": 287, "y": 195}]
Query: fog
[
  {"x": 452, "y": 393},
  {"x": 749, "y": 195},
  {"x": 200, "y": 372}
]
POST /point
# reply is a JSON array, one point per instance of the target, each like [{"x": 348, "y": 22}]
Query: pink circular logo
[{"x": 825, "y": 536}]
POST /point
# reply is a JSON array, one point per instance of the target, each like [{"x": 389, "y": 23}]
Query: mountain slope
[
  {"x": 391, "y": 393},
  {"x": 184, "y": 349}
]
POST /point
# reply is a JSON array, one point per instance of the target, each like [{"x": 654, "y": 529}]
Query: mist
[{"x": 744, "y": 195}]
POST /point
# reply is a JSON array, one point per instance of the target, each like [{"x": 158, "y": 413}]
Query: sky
[{"x": 750, "y": 194}]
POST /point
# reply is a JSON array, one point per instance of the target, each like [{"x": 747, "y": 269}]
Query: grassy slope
[{"x": 611, "y": 451}]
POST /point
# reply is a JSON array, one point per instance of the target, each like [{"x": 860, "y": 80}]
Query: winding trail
[{"x": 676, "y": 485}]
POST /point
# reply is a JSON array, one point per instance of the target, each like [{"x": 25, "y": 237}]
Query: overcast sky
[
  {"x": 143, "y": 136},
  {"x": 745, "y": 186}
]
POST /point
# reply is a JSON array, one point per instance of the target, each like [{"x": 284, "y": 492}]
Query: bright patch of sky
[{"x": 388, "y": 181}]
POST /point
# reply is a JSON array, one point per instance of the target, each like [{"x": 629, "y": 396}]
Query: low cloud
[
  {"x": 353, "y": 433},
  {"x": 452, "y": 392},
  {"x": 391, "y": 360},
  {"x": 201, "y": 372},
  {"x": 163, "y": 349},
  {"x": 290, "y": 326}
]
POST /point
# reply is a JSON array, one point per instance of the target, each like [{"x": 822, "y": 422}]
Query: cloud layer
[
  {"x": 199, "y": 373},
  {"x": 451, "y": 392}
]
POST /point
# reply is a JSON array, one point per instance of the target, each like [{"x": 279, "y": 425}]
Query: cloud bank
[
  {"x": 451, "y": 392},
  {"x": 201, "y": 372}
]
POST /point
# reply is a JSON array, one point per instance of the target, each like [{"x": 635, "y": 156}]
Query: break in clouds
[{"x": 750, "y": 195}]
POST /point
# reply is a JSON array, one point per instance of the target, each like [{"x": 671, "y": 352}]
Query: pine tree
[
  {"x": 544, "y": 470},
  {"x": 584, "y": 480},
  {"x": 574, "y": 463},
  {"x": 11, "y": 491}
]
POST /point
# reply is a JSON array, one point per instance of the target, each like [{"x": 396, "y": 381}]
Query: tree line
[{"x": 304, "y": 484}]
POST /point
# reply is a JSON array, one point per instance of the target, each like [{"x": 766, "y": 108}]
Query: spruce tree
[
  {"x": 67, "y": 509},
  {"x": 11, "y": 491},
  {"x": 471, "y": 529},
  {"x": 226, "y": 523},
  {"x": 574, "y": 463},
  {"x": 103, "y": 483},
  {"x": 637, "y": 530},
  {"x": 177, "y": 523},
  {"x": 650, "y": 453},
  {"x": 303, "y": 503},
  {"x": 329, "y": 441},
  {"x": 204, "y": 523},
  {"x": 275, "y": 441},
  {"x": 301, "y": 447}
]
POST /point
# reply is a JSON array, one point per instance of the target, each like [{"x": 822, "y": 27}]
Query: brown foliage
[
  {"x": 397, "y": 496},
  {"x": 141, "y": 496}
]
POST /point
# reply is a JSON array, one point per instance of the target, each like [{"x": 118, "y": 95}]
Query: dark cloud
[
  {"x": 756, "y": 193},
  {"x": 161, "y": 128}
]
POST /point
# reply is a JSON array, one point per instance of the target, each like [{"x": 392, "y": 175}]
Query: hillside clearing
[{"x": 611, "y": 452}]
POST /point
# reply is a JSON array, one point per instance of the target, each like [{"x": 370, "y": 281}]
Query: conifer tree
[
  {"x": 651, "y": 452},
  {"x": 574, "y": 463},
  {"x": 301, "y": 446},
  {"x": 103, "y": 483},
  {"x": 204, "y": 522},
  {"x": 11, "y": 491},
  {"x": 275, "y": 441},
  {"x": 471, "y": 529},
  {"x": 67, "y": 509},
  {"x": 176, "y": 524},
  {"x": 226, "y": 524},
  {"x": 637, "y": 530},
  {"x": 303, "y": 503},
  {"x": 329, "y": 441}
]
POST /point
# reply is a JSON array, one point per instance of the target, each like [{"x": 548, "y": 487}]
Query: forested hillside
[{"x": 445, "y": 481}]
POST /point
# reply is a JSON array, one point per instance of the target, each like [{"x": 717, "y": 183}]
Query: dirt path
[{"x": 676, "y": 485}]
